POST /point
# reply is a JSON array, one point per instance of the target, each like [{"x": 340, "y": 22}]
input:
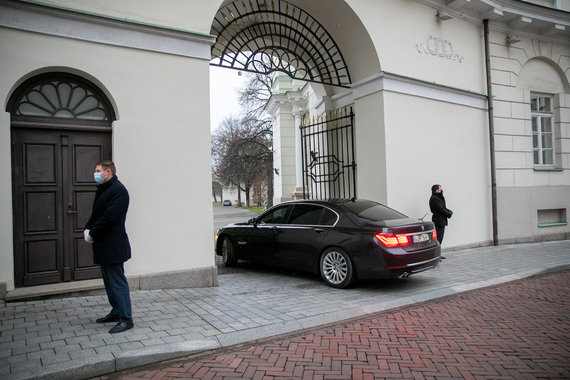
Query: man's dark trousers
[
  {"x": 440, "y": 231},
  {"x": 117, "y": 289}
]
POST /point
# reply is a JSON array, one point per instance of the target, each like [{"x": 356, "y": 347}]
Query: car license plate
[{"x": 420, "y": 238}]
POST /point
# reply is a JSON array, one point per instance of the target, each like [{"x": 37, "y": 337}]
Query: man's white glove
[{"x": 87, "y": 237}]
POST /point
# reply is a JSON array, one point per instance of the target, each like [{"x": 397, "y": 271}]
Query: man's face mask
[{"x": 98, "y": 178}]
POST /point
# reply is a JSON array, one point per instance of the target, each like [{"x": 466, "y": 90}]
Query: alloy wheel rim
[{"x": 335, "y": 267}]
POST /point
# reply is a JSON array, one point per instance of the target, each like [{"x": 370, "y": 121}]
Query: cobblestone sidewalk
[{"x": 57, "y": 338}]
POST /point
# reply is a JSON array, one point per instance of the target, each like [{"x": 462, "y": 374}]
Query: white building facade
[{"x": 415, "y": 76}]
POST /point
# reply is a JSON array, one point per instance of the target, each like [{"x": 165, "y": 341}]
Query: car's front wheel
[
  {"x": 228, "y": 253},
  {"x": 336, "y": 268}
]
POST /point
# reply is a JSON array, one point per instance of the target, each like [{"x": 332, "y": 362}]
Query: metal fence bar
[{"x": 353, "y": 153}]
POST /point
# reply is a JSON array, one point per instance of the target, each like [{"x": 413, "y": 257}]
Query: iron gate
[{"x": 329, "y": 166}]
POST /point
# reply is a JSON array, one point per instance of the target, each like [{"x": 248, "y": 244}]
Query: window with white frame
[{"x": 542, "y": 129}]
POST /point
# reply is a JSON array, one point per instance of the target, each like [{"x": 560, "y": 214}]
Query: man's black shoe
[
  {"x": 107, "y": 318},
  {"x": 120, "y": 327}
]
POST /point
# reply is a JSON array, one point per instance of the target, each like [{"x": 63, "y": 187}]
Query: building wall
[
  {"x": 187, "y": 15},
  {"x": 370, "y": 138},
  {"x": 454, "y": 111},
  {"x": 230, "y": 192},
  {"x": 524, "y": 189},
  {"x": 423, "y": 120},
  {"x": 407, "y": 38},
  {"x": 154, "y": 138},
  {"x": 422, "y": 149}
]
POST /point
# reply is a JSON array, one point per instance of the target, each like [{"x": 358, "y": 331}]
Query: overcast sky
[{"x": 224, "y": 84}]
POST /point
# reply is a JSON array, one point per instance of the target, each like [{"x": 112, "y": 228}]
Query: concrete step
[{"x": 73, "y": 288}]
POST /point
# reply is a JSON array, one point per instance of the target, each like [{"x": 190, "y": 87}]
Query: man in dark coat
[
  {"x": 105, "y": 229},
  {"x": 440, "y": 212}
]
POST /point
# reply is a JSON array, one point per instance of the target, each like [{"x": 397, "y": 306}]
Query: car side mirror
[{"x": 251, "y": 221}]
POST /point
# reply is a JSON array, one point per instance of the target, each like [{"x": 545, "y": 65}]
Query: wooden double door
[{"x": 53, "y": 192}]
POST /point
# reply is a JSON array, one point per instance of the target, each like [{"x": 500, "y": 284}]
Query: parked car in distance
[
  {"x": 227, "y": 202},
  {"x": 341, "y": 240}
]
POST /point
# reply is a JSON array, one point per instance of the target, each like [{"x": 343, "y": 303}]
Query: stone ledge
[
  {"x": 191, "y": 278},
  {"x": 42, "y": 291}
]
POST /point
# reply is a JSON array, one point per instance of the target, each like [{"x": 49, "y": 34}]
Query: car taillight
[
  {"x": 391, "y": 240},
  {"x": 434, "y": 235}
]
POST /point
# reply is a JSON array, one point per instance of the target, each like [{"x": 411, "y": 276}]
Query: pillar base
[{"x": 298, "y": 194}]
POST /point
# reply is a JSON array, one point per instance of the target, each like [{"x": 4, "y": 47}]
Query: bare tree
[
  {"x": 222, "y": 140},
  {"x": 255, "y": 94},
  {"x": 253, "y": 97},
  {"x": 242, "y": 147},
  {"x": 217, "y": 189},
  {"x": 240, "y": 154}
]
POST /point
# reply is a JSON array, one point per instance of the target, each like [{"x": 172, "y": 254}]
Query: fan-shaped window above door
[{"x": 60, "y": 96}]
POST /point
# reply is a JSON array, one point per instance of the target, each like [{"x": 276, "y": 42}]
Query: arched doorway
[
  {"x": 60, "y": 127},
  {"x": 299, "y": 38}
]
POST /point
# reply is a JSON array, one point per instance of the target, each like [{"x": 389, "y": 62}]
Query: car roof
[{"x": 325, "y": 202}]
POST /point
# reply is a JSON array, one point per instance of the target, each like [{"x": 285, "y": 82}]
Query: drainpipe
[{"x": 491, "y": 133}]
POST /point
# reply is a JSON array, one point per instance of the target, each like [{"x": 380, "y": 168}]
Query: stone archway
[{"x": 306, "y": 40}]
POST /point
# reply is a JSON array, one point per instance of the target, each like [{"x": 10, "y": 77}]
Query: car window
[
  {"x": 306, "y": 214},
  {"x": 329, "y": 217},
  {"x": 372, "y": 211},
  {"x": 276, "y": 216}
]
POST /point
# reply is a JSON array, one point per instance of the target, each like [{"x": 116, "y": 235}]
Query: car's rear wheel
[
  {"x": 228, "y": 253},
  {"x": 336, "y": 268}
]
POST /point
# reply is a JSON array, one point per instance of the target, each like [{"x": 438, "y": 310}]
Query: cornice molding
[
  {"x": 290, "y": 102},
  {"x": 384, "y": 81},
  {"x": 510, "y": 16},
  {"x": 93, "y": 28}
]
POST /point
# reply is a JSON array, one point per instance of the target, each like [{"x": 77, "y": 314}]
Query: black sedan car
[{"x": 341, "y": 240}]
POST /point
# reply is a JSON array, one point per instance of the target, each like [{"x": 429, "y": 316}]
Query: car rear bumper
[
  {"x": 396, "y": 262},
  {"x": 407, "y": 270}
]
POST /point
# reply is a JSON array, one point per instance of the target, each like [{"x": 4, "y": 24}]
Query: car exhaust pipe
[{"x": 404, "y": 275}]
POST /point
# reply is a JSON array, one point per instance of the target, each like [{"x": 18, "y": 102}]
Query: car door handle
[{"x": 319, "y": 230}]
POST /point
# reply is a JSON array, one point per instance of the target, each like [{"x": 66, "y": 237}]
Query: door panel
[
  {"x": 85, "y": 150},
  {"x": 37, "y": 208},
  {"x": 83, "y": 257},
  {"x": 39, "y": 163},
  {"x": 40, "y": 212},
  {"x": 262, "y": 239},
  {"x": 301, "y": 238},
  {"x": 53, "y": 191},
  {"x": 41, "y": 257},
  {"x": 299, "y": 245}
]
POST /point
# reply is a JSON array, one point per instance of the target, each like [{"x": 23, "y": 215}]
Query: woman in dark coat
[
  {"x": 440, "y": 212},
  {"x": 111, "y": 248}
]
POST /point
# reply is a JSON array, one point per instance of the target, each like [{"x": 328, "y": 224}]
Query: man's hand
[{"x": 87, "y": 237}]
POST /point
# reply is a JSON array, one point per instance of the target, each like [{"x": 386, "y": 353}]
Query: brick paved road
[{"x": 520, "y": 330}]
